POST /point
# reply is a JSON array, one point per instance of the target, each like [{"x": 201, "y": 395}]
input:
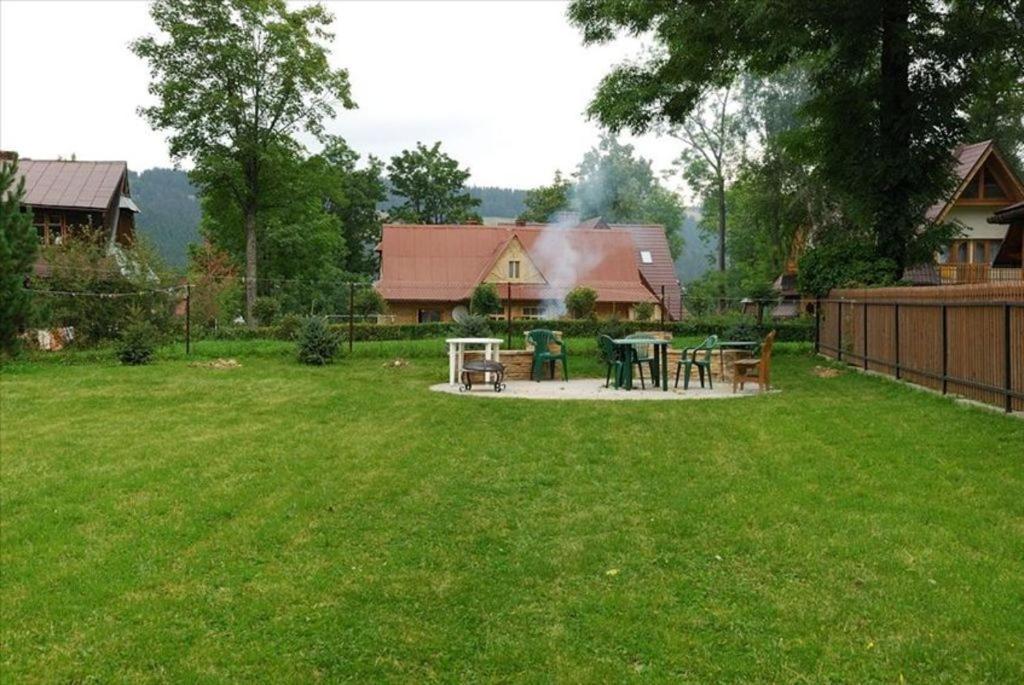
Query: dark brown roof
[
  {"x": 969, "y": 159},
  {"x": 1008, "y": 214},
  {"x": 72, "y": 185}
]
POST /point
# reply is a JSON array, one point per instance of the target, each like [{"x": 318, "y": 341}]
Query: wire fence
[{"x": 213, "y": 307}]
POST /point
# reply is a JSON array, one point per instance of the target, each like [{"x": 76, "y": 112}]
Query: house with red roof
[
  {"x": 70, "y": 195},
  {"x": 428, "y": 273}
]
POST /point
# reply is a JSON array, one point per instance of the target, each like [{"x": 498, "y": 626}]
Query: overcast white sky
[{"x": 503, "y": 85}]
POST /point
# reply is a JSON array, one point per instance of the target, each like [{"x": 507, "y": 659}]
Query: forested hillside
[
  {"x": 170, "y": 213},
  {"x": 170, "y": 209},
  {"x": 506, "y": 202},
  {"x": 698, "y": 250},
  {"x": 170, "y": 217}
]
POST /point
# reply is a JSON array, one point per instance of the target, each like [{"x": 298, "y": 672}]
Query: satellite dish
[{"x": 460, "y": 312}]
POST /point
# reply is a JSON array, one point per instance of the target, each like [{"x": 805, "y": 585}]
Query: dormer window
[
  {"x": 645, "y": 257},
  {"x": 513, "y": 268}
]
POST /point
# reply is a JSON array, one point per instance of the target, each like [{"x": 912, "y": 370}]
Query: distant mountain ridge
[
  {"x": 170, "y": 216},
  {"x": 170, "y": 211}
]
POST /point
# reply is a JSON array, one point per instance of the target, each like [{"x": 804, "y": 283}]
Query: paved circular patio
[{"x": 593, "y": 389}]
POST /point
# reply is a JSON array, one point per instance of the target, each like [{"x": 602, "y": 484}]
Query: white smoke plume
[{"x": 562, "y": 264}]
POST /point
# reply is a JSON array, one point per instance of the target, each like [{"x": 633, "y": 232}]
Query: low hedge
[{"x": 794, "y": 330}]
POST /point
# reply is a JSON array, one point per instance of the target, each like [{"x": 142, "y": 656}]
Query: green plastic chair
[
  {"x": 610, "y": 354},
  {"x": 542, "y": 340},
  {"x": 689, "y": 359},
  {"x": 642, "y": 355}
]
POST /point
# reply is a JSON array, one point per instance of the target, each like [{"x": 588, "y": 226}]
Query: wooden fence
[{"x": 966, "y": 340}]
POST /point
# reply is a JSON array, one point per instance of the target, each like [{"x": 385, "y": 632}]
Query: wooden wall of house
[{"x": 404, "y": 312}]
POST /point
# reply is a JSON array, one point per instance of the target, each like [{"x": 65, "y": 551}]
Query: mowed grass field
[{"x": 279, "y": 523}]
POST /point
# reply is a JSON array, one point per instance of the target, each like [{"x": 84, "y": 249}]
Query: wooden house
[
  {"x": 986, "y": 184},
  {"x": 69, "y": 196},
  {"x": 428, "y": 273}
]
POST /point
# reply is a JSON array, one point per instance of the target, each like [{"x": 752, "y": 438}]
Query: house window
[
  {"x": 645, "y": 257},
  {"x": 49, "y": 229},
  {"x": 979, "y": 252},
  {"x": 532, "y": 313},
  {"x": 992, "y": 189},
  {"x": 428, "y": 316},
  {"x": 961, "y": 252},
  {"x": 513, "y": 268}
]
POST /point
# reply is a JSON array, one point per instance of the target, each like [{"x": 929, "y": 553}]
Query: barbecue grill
[{"x": 482, "y": 366}]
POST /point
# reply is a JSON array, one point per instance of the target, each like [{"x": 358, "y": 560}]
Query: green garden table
[{"x": 625, "y": 347}]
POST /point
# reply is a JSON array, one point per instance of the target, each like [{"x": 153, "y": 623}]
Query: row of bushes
[{"x": 797, "y": 330}]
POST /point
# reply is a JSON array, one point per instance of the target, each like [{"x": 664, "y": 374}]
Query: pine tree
[{"x": 18, "y": 247}]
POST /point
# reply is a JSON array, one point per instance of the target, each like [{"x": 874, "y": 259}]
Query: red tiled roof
[
  {"x": 661, "y": 271},
  {"x": 73, "y": 185},
  {"x": 445, "y": 263}
]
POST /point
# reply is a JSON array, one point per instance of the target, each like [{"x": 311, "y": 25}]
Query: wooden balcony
[{"x": 956, "y": 274}]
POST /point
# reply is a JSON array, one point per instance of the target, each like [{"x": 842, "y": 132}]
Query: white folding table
[{"x": 457, "y": 352}]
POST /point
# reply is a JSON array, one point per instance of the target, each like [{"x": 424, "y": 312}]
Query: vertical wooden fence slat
[{"x": 963, "y": 340}]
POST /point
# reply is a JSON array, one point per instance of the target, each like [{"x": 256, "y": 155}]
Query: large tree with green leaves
[
  {"x": 432, "y": 186},
  {"x": 18, "y": 246},
  {"x": 544, "y": 201},
  {"x": 615, "y": 183},
  {"x": 302, "y": 249},
  {"x": 234, "y": 80},
  {"x": 352, "y": 193},
  {"x": 889, "y": 85},
  {"x": 714, "y": 137}
]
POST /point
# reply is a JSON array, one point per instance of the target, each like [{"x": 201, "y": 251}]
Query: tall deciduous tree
[
  {"x": 432, "y": 185},
  {"x": 18, "y": 246},
  {"x": 890, "y": 81},
  {"x": 234, "y": 80},
  {"x": 543, "y": 202},
  {"x": 616, "y": 184},
  {"x": 352, "y": 195},
  {"x": 714, "y": 135}
]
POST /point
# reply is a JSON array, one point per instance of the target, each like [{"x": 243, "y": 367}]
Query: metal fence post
[
  {"x": 817, "y": 326},
  {"x": 662, "y": 307},
  {"x": 508, "y": 314},
  {"x": 945, "y": 347},
  {"x": 1008, "y": 361},
  {"x": 896, "y": 331},
  {"x": 188, "y": 318},
  {"x": 839, "y": 333},
  {"x": 351, "y": 313},
  {"x": 865, "y": 332}
]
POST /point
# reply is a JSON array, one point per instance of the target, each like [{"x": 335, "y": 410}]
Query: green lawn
[{"x": 289, "y": 524}]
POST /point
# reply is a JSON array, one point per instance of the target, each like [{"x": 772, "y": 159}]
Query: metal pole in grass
[
  {"x": 188, "y": 318},
  {"x": 508, "y": 314},
  {"x": 661, "y": 306},
  {"x": 351, "y": 313}
]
